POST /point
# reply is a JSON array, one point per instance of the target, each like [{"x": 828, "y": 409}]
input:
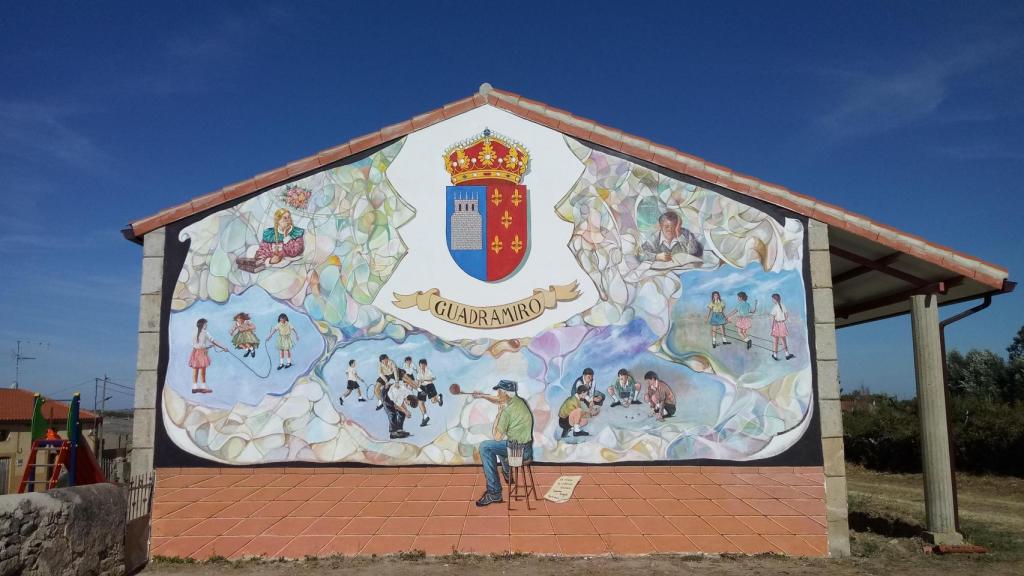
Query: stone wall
[{"x": 67, "y": 531}]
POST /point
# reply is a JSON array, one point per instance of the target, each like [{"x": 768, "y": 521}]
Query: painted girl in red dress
[
  {"x": 199, "y": 359},
  {"x": 283, "y": 240}
]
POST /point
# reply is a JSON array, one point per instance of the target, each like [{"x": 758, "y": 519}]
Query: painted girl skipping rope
[
  {"x": 199, "y": 359},
  {"x": 243, "y": 335},
  {"x": 779, "y": 331},
  {"x": 716, "y": 318},
  {"x": 286, "y": 338},
  {"x": 744, "y": 314}
]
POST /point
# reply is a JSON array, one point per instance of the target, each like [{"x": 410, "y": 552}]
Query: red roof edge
[
  {"x": 16, "y": 406},
  {"x": 563, "y": 121}
]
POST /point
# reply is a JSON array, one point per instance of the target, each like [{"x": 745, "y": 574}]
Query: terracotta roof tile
[
  {"x": 396, "y": 130},
  {"x": 208, "y": 201},
  {"x": 16, "y": 407},
  {"x": 239, "y": 189},
  {"x": 458, "y": 107},
  {"x": 302, "y": 166},
  {"x": 665, "y": 156},
  {"x": 428, "y": 119},
  {"x": 365, "y": 142}
]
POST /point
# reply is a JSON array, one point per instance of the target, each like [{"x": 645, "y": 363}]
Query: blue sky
[{"x": 910, "y": 114}]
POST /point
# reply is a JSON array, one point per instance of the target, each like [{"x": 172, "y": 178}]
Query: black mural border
[{"x": 807, "y": 451}]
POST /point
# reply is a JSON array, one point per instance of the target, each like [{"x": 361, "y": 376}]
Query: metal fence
[
  {"x": 5, "y": 474},
  {"x": 140, "y": 495}
]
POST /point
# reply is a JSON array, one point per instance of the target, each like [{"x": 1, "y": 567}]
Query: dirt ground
[
  {"x": 905, "y": 565},
  {"x": 887, "y": 510}
]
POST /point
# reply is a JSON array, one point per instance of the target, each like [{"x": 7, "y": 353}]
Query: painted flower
[{"x": 297, "y": 197}]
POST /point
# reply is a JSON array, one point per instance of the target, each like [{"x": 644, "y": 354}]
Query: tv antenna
[{"x": 18, "y": 359}]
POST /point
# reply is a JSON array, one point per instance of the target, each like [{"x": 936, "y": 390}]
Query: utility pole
[
  {"x": 103, "y": 408},
  {"x": 99, "y": 404},
  {"x": 17, "y": 365}
]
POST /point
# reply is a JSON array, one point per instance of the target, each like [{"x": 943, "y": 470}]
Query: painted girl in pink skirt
[
  {"x": 199, "y": 359},
  {"x": 744, "y": 314},
  {"x": 779, "y": 331}
]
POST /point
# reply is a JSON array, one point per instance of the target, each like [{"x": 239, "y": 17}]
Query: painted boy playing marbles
[
  {"x": 625, "y": 390},
  {"x": 659, "y": 396}
]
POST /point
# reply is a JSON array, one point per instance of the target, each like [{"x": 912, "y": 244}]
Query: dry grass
[{"x": 991, "y": 507}]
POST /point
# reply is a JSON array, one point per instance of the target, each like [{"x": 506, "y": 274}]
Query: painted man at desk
[{"x": 670, "y": 240}]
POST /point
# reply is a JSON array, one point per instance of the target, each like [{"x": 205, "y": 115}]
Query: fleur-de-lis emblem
[
  {"x": 487, "y": 155},
  {"x": 517, "y": 244},
  {"x": 517, "y": 197},
  {"x": 506, "y": 220},
  {"x": 496, "y": 245},
  {"x": 496, "y": 197}
]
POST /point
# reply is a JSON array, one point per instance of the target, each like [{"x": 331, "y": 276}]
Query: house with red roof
[{"x": 16, "y": 407}]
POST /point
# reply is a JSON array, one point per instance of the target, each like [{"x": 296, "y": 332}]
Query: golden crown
[{"x": 484, "y": 156}]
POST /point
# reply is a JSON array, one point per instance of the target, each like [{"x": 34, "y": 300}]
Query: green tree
[
  {"x": 1014, "y": 388},
  {"x": 979, "y": 373},
  {"x": 1016, "y": 349}
]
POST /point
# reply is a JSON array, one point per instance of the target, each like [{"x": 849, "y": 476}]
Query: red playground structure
[{"x": 58, "y": 458}]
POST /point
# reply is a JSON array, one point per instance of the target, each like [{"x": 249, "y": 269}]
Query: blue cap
[{"x": 507, "y": 385}]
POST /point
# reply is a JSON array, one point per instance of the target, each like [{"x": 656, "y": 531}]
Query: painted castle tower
[{"x": 466, "y": 225}]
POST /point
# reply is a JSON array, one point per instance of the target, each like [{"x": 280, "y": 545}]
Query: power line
[
  {"x": 73, "y": 386},
  {"x": 109, "y": 381}
]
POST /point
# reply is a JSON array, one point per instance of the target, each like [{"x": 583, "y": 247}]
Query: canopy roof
[{"x": 875, "y": 267}]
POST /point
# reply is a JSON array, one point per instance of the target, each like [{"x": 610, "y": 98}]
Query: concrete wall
[
  {"x": 143, "y": 428},
  {"x": 828, "y": 391},
  {"x": 76, "y": 531}
]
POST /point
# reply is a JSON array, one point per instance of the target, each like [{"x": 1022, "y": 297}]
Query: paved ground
[{"x": 992, "y": 509}]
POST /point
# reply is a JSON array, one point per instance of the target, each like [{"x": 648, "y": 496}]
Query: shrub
[{"x": 883, "y": 433}]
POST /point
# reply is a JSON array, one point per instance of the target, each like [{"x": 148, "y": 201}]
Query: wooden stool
[{"x": 521, "y": 483}]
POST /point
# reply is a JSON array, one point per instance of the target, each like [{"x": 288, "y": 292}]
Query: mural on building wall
[{"x": 366, "y": 313}]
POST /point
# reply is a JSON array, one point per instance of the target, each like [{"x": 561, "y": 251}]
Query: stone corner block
[
  {"x": 825, "y": 342},
  {"x": 145, "y": 389},
  {"x": 149, "y": 351},
  {"x": 153, "y": 242},
  {"x": 831, "y": 418},
  {"x": 152, "y": 275},
  {"x": 817, "y": 235},
  {"x": 821, "y": 269},
  {"x": 836, "y": 504},
  {"x": 141, "y": 460},
  {"x": 828, "y": 379},
  {"x": 824, "y": 308},
  {"x": 834, "y": 456},
  {"x": 149, "y": 313},
  {"x": 838, "y": 539},
  {"x": 143, "y": 428}
]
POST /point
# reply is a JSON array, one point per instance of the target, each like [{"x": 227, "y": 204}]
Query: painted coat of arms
[{"x": 487, "y": 208}]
